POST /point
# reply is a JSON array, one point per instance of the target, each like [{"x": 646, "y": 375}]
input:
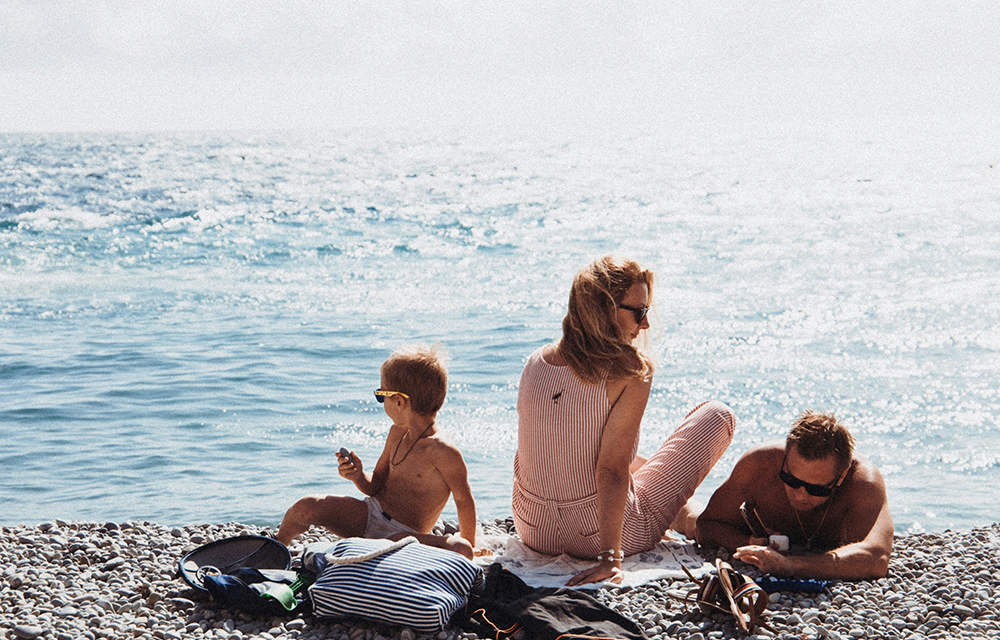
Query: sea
[{"x": 192, "y": 323}]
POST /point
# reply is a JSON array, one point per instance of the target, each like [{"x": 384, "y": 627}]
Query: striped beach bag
[{"x": 401, "y": 583}]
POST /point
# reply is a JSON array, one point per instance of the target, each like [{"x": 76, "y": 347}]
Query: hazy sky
[{"x": 69, "y": 65}]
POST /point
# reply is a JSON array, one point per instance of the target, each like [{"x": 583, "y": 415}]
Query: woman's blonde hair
[{"x": 593, "y": 344}]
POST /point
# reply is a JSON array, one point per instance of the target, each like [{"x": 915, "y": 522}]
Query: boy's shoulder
[{"x": 440, "y": 444}]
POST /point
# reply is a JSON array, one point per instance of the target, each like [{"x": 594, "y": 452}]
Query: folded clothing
[{"x": 507, "y": 605}]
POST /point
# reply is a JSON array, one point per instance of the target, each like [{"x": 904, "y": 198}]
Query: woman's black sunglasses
[{"x": 640, "y": 312}]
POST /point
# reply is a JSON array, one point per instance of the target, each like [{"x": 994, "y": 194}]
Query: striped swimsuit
[{"x": 560, "y": 423}]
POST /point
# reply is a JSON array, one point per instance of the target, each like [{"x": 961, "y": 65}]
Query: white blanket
[{"x": 539, "y": 570}]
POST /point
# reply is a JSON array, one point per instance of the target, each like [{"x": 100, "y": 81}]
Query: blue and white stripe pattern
[{"x": 416, "y": 586}]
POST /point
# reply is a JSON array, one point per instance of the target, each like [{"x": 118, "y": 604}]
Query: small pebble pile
[{"x": 85, "y": 581}]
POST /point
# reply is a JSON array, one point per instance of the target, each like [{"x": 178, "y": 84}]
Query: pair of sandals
[{"x": 728, "y": 591}]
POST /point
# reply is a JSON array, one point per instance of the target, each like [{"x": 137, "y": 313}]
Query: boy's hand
[{"x": 350, "y": 466}]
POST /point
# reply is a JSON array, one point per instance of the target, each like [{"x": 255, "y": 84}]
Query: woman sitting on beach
[{"x": 579, "y": 487}]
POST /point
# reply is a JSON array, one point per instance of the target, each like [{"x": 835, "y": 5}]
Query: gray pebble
[
  {"x": 27, "y": 632},
  {"x": 940, "y": 585},
  {"x": 181, "y": 603}
]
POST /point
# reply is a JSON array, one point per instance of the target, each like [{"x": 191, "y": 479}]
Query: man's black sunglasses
[
  {"x": 816, "y": 490},
  {"x": 640, "y": 312}
]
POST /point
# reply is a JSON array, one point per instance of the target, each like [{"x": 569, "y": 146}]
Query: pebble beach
[{"x": 80, "y": 580}]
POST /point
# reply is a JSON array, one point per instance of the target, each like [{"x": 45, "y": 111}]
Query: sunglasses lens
[
  {"x": 640, "y": 314},
  {"x": 814, "y": 490}
]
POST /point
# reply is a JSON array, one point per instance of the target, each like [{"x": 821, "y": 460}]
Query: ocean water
[{"x": 192, "y": 324}]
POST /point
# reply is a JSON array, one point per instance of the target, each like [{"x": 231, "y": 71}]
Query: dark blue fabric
[{"x": 242, "y": 590}]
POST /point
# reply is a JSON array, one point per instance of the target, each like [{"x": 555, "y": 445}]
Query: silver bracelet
[{"x": 610, "y": 555}]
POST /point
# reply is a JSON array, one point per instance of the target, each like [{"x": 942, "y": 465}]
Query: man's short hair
[
  {"x": 419, "y": 372},
  {"x": 817, "y": 436}
]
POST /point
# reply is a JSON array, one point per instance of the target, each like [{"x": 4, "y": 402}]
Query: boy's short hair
[
  {"x": 419, "y": 372},
  {"x": 817, "y": 436}
]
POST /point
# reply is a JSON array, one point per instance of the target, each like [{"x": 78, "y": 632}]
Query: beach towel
[{"x": 665, "y": 560}]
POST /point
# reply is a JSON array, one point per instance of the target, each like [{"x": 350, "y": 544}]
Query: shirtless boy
[
  {"x": 829, "y": 501},
  {"x": 420, "y": 467}
]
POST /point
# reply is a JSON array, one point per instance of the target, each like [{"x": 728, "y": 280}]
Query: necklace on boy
[{"x": 396, "y": 450}]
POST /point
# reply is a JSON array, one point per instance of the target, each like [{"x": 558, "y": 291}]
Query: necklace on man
[
  {"x": 809, "y": 539},
  {"x": 396, "y": 450}
]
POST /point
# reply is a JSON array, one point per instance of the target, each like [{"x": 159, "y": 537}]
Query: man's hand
[
  {"x": 350, "y": 466},
  {"x": 604, "y": 571},
  {"x": 763, "y": 557}
]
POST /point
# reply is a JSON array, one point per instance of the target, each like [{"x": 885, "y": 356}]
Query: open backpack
[
  {"x": 729, "y": 591},
  {"x": 249, "y": 573}
]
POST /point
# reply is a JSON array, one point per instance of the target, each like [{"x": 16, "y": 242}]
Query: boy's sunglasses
[
  {"x": 815, "y": 490},
  {"x": 381, "y": 395},
  {"x": 640, "y": 312}
]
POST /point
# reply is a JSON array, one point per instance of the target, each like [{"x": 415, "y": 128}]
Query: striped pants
[{"x": 658, "y": 491}]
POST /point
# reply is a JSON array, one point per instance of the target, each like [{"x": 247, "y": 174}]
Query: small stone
[
  {"x": 295, "y": 625},
  {"x": 27, "y": 632},
  {"x": 407, "y": 634},
  {"x": 963, "y": 611},
  {"x": 181, "y": 603},
  {"x": 176, "y": 532}
]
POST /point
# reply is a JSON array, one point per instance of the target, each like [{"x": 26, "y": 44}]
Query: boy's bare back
[{"x": 419, "y": 476}]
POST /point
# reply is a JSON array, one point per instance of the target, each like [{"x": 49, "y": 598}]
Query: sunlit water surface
[{"x": 191, "y": 325}]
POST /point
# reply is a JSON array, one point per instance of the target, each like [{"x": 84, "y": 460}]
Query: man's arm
[
  {"x": 866, "y": 559},
  {"x": 720, "y": 524}
]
